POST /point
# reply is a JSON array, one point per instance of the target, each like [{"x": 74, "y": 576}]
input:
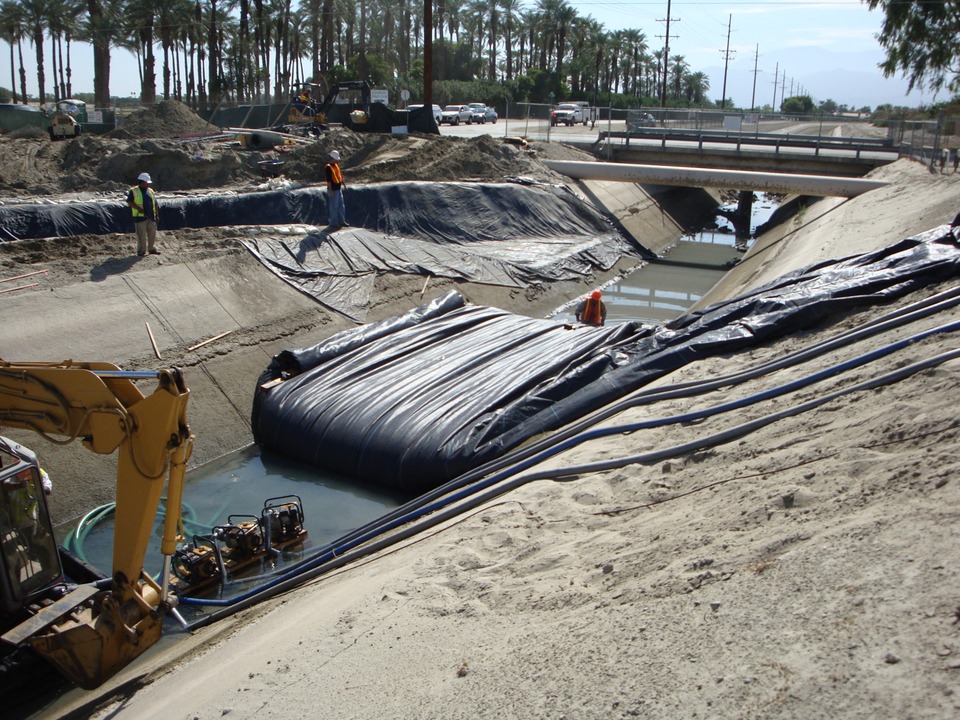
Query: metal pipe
[{"x": 815, "y": 185}]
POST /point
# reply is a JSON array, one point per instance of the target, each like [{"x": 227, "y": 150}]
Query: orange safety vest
[
  {"x": 591, "y": 314},
  {"x": 336, "y": 176}
]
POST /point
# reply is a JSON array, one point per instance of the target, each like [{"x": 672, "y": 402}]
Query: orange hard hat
[{"x": 595, "y": 294}]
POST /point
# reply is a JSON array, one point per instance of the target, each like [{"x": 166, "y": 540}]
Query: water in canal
[
  {"x": 664, "y": 290},
  {"x": 239, "y": 483}
]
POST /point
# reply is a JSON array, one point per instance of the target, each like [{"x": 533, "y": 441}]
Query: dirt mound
[
  {"x": 370, "y": 158},
  {"x": 168, "y": 119},
  {"x": 101, "y": 164},
  {"x": 97, "y": 165}
]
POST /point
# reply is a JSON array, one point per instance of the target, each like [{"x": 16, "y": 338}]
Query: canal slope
[{"x": 807, "y": 570}]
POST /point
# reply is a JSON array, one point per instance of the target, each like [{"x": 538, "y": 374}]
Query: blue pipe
[{"x": 336, "y": 550}]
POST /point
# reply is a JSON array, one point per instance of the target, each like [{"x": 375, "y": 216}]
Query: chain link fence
[{"x": 935, "y": 143}]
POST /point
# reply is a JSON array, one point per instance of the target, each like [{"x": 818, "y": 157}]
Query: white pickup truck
[{"x": 568, "y": 114}]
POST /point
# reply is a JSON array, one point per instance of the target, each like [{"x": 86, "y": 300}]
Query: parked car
[
  {"x": 636, "y": 120},
  {"x": 482, "y": 114},
  {"x": 456, "y": 114},
  {"x": 568, "y": 114},
  {"x": 437, "y": 111}
]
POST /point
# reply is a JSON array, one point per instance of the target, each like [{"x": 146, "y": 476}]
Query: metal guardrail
[{"x": 777, "y": 141}]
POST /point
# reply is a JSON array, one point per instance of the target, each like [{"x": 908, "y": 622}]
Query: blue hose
[{"x": 336, "y": 550}]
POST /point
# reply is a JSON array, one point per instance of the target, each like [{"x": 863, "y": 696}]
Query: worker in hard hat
[
  {"x": 143, "y": 204},
  {"x": 591, "y": 310},
  {"x": 335, "y": 206}
]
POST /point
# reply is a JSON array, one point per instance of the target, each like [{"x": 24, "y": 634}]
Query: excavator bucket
[
  {"x": 89, "y": 655},
  {"x": 89, "y": 636}
]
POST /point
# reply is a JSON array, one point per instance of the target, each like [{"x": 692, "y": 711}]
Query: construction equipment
[
  {"x": 67, "y": 118},
  {"x": 238, "y": 544},
  {"x": 92, "y": 631},
  {"x": 308, "y": 108}
]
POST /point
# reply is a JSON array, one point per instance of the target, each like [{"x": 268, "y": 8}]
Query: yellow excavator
[{"x": 90, "y": 631}]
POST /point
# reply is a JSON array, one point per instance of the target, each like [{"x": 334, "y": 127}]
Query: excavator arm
[{"x": 89, "y": 635}]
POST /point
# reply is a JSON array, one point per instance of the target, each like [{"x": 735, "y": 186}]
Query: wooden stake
[
  {"x": 25, "y": 275},
  {"x": 207, "y": 342},
  {"x": 152, "y": 341},
  {"x": 425, "y": 283},
  {"x": 19, "y": 287}
]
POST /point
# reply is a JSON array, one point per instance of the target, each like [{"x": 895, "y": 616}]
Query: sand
[{"x": 809, "y": 570}]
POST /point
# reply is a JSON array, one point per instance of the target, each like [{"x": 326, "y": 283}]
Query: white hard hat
[
  {"x": 334, "y": 155},
  {"x": 145, "y": 177}
]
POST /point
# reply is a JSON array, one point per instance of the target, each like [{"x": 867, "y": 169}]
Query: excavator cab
[
  {"x": 305, "y": 104},
  {"x": 31, "y": 562}
]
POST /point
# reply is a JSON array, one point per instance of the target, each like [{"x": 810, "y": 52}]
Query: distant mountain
[{"x": 851, "y": 79}]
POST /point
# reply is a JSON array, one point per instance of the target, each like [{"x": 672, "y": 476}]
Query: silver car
[{"x": 456, "y": 114}]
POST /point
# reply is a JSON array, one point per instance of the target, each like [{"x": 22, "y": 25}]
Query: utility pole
[
  {"x": 427, "y": 53},
  {"x": 776, "y": 78},
  {"x": 726, "y": 62},
  {"x": 791, "y": 87},
  {"x": 666, "y": 58},
  {"x": 753, "y": 95},
  {"x": 783, "y": 86}
]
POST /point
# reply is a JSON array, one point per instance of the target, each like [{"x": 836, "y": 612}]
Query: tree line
[{"x": 204, "y": 52}]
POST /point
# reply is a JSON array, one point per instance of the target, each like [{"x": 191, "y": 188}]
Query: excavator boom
[{"x": 90, "y": 634}]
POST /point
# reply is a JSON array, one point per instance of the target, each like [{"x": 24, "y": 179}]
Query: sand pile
[
  {"x": 94, "y": 164},
  {"x": 169, "y": 118}
]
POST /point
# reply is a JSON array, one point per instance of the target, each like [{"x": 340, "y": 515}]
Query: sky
[{"x": 825, "y": 48}]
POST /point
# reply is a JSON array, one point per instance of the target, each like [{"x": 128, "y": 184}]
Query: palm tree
[
  {"x": 696, "y": 85},
  {"x": 13, "y": 30},
  {"x": 104, "y": 28},
  {"x": 167, "y": 12},
  {"x": 679, "y": 69},
  {"x": 508, "y": 24},
  {"x": 36, "y": 14}
]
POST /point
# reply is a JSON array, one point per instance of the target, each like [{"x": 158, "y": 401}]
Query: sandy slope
[{"x": 809, "y": 570}]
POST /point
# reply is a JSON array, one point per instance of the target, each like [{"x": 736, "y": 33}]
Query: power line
[
  {"x": 666, "y": 56},
  {"x": 726, "y": 61}
]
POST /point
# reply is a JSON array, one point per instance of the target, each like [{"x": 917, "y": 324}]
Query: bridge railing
[{"x": 780, "y": 142}]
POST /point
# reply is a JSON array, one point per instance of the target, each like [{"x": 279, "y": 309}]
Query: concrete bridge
[{"x": 757, "y": 152}]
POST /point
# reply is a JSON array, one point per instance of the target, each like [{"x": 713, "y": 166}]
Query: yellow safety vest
[{"x": 138, "y": 199}]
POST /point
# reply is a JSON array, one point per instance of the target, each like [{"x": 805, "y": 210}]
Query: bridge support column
[
  {"x": 744, "y": 220},
  {"x": 742, "y": 217}
]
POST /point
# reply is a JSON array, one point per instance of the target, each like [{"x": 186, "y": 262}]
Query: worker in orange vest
[
  {"x": 592, "y": 311},
  {"x": 337, "y": 210}
]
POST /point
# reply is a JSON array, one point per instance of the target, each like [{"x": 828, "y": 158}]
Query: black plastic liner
[
  {"x": 509, "y": 234},
  {"x": 417, "y": 400},
  {"x": 498, "y": 234},
  {"x": 443, "y": 212}
]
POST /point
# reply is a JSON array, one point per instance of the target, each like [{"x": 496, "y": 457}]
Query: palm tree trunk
[
  {"x": 13, "y": 77},
  {"x": 101, "y": 55},
  {"x": 23, "y": 75},
  {"x": 41, "y": 76},
  {"x": 69, "y": 70}
]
